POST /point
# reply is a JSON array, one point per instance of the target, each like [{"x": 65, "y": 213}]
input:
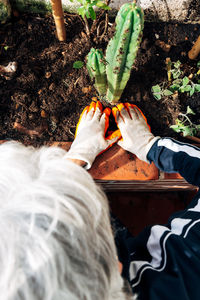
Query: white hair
[{"x": 56, "y": 239}]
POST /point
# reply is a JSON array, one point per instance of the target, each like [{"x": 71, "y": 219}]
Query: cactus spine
[
  {"x": 120, "y": 54},
  {"x": 97, "y": 70}
]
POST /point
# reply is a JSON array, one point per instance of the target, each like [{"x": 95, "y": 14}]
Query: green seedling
[
  {"x": 158, "y": 92},
  {"x": 120, "y": 53},
  {"x": 87, "y": 11},
  {"x": 177, "y": 82},
  {"x": 184, "y": 124}
]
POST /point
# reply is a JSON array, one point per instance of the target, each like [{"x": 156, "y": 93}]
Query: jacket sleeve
[{"x": 172, "y": 156}]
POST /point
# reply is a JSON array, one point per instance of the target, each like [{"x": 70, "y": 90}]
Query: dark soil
[{"x": 47, "y": 95}]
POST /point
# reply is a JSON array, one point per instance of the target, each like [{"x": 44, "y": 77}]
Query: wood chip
[
  {"x": 43, "y": 114},
  {"x": 48, "y": 75},
  {"x": 87, "y": 89},
  {"x": 165, "y": 47}
]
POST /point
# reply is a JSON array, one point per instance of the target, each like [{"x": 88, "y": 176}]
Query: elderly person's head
[{"x": 56, "y": 239}]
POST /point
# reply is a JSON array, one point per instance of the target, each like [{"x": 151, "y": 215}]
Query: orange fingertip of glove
[
  {"x": 113, "y": 135},
  {"x": 127, "y": 105},
  {"x": 117, "y": 109},
  {"x": 99, "y": 105},
  {"x": 114, "y": 112},
  {"x": 135, "y": 106},
  {"x": 92, "y": 106},
  {"x": 107, "y": 112}
]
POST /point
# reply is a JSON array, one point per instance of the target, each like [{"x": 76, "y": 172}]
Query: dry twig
[
  {"x": 9, "y": 70},
  {"x": 31, "y": 132}
]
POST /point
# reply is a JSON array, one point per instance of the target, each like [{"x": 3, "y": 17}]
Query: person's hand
[
  {"x": 136, "y": 135},
  {"x": 90, "y": 133}
]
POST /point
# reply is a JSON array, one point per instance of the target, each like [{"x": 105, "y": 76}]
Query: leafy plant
[
  {"x": 114, "y": 70},
  {"x": 185, "y": 125},
  {"x": 158, "y": 92},
  {"x": 179, "y": 82},
  {"x": 87, "y": 10}
]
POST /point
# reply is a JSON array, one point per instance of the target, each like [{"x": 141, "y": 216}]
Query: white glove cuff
[
  {"x": 148, "y": 147},
  {"x": 71, "y": 155}
]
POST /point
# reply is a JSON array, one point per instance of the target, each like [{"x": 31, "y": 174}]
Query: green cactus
[
  {"x": 111, "y": 79},
  {"x": 122, "y": 49},
  {"x": 97, "y": 69}
]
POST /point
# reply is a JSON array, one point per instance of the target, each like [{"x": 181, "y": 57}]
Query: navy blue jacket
[{"x": 163, "y": 262}]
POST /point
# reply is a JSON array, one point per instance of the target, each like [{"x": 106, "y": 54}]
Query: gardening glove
[
  {"x": 90, "y": 138},
  {"x": 135, "y": 131}
]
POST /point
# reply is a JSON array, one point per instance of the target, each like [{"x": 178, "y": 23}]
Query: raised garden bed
[{"x": 42, "y": 102}]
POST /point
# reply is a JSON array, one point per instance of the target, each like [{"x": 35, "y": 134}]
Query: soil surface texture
[{"x": 43, "y": 100}]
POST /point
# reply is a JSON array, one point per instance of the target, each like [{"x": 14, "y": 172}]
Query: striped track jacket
[{"x": 163, "y": 262}]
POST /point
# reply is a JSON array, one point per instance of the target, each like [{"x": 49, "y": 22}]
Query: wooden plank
[{"x": 150, "y": 185}]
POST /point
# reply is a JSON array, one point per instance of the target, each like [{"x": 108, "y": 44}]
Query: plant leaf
[
  {"x": 102, "y": 5},
  {"x": 192, "y": 91},
  {"x": 185, "y": 81},
  {"x": 177, "y": 64},
  {"x": 92, "y": 13},
  {"x": 190, "y": 111},
  {"x": 175, "y": 128},
  {"x": 177, "y": 81},
  {"x": 81, "y": 11},
  {"x": 167, "y": 93},
  {"x": 198, "y": 64},
  {"x": 174, "y": 87},
  {"x": 188, "y": 131},
  {"x": 157, "y": 96},
  {"x": 156, "y": 89},
  {"x": 176, "y": 73},
  {"x": 78, "y": 64},
  {"x": 187, "y": 88},
  {"x": 197, "y": 87},
  {"x": 179, "y": 123}
]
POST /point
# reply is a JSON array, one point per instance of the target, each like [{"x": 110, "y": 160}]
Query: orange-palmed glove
[
  {"x": 136, "y": 135},
  {"x": 90, "y": 139}
]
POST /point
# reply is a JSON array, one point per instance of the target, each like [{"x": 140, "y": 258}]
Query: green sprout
[
  {"x": 177, "y": 82},
  {"x": 184, "y": 124},
  {"x": 87, "y": 11}
]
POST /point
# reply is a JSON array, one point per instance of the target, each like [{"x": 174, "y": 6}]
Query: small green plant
[
  {"x": 184, "y": 124},
  {"x": 158, "y": 92},
  {"x": 177, "y": 82},
  {"x": 114, "y": 70},
  {"x": 78, "y": 64},
  {"x": 86, "y": 10}
]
